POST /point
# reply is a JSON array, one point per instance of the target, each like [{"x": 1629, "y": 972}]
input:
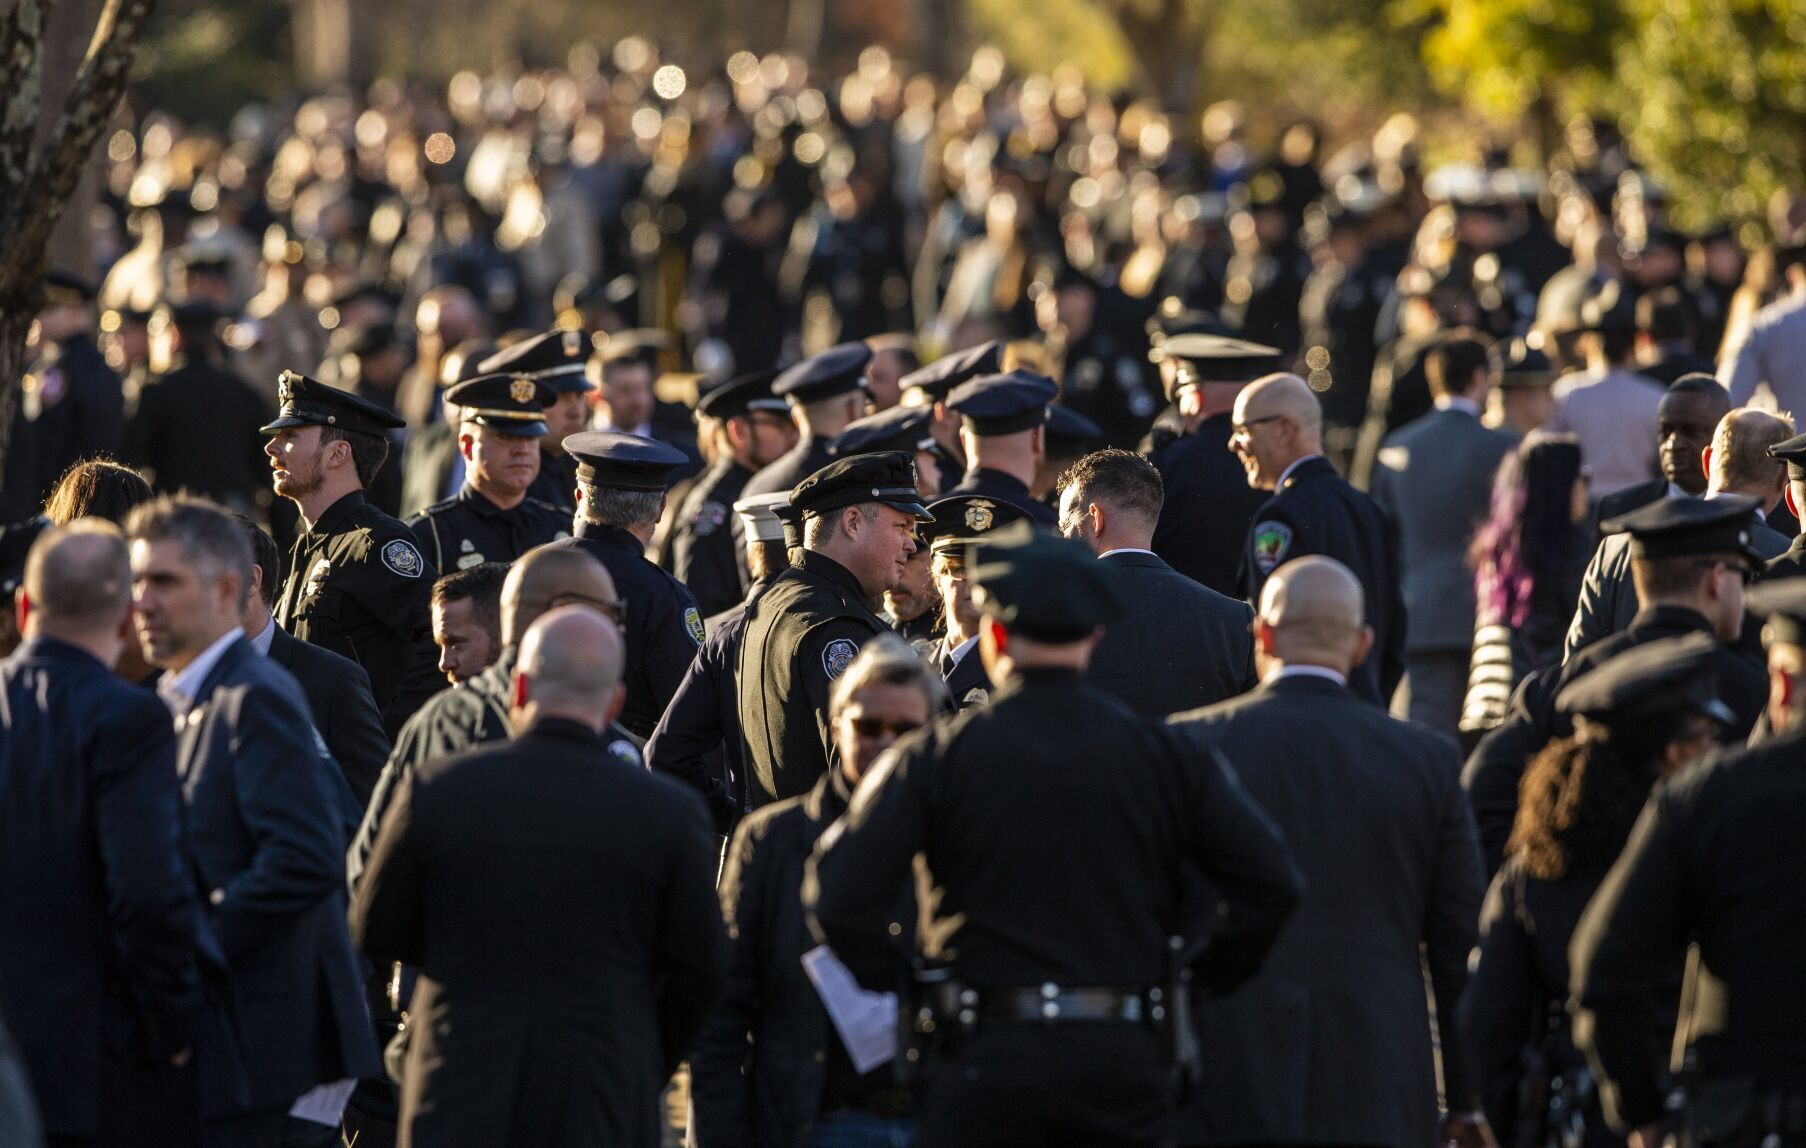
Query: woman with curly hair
[{"x": 1650, "y": 712}]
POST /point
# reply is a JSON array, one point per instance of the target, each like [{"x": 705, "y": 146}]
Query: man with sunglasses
[{"x": 1690, "y": 560}]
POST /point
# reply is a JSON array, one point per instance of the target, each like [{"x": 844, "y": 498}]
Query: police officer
[
  {"x": 825, "y": 394},
  {"x": 493, "y": 518},
  {"x": 960, "y": 521},
  {"x": 1209, "y": 504},
  {"x": 621, "y": 482},
  {"x": 858, "y": 527},
  {"x": 752, "y": 428},
  {"x": 1058, "y": 982},
  {"x": 1003, "y": 430},
  {"x": 929, "y": 387},
  {"x": 357, "y": 583},
  {"x": 906, "y": 429},
  {"x": 1792, "y": 564},
  {"x": 1715, "y": 860},
  {"x": 557, "y": 359}
]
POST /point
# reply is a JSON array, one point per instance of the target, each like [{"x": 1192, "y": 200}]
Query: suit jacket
[
  {"x": 1330, "y": 1042},
  {"x": 1434, "y": 479},
  {"x": 1624, "y": 501},
  {"x": 1180, "y": 646},
  {"x": 560, "y": 906},
  {"x": 97, "y": 913},
  {"x": 267, "y": 836},
  {"x": 1208, "y": 508},
  {"x": 338, "y": 697}
]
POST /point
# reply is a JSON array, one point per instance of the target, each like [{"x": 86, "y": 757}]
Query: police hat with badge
[
  {"x": 888, "y": 477},
  {"x": 963, "y": 519},
  {"x": 931, "y": 384},
  {"x": 554, "y": 357},
  {"x": 309, "y": 402},
  {"x": 839, "y": 370},
  {"x": 1642, "y": 690},
  {"x": 1677, "y": 527},
  {"x": 623, "y": 461},
  {"x": 1200, "y": 358},
  {"x": 1043, "y": 587},
  {"x": 995, "y": 405},
  {"x": 509, "y": 404},
  {"x": 739, "y": 397}
]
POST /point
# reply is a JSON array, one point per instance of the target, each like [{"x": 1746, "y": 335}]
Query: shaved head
[
  {"x": 1281, "y": 394},
  {"x": 1311, "y": 612},
  {"x": 546, "y": 576},
  {"x": 1277, "y": 421},
  {"x": 570, "y": 666},
  {"x": 78, "y": 579}
]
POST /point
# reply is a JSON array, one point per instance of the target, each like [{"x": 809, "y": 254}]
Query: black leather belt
[{"x": 1052, "y": 1004}]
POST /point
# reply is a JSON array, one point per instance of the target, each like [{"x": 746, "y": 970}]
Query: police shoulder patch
[
  {"x": 709, "y": 517},
  {"x": 622, "y": 750},
  {"x": 837, "y": 655},
  {"x": 693, "y": 623},
  {"x": 1271, "y": 541},
  {"x": 400, "y": 556}
]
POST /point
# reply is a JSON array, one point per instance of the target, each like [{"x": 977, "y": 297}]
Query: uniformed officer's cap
[
  {"x": 950, "y": 370},
  {"x": 512, "y": 404},
  {"x": 554, "y": 357},
  {"x": 899, "y": 428},
  {"x": 1792, "y": 452},
  {"x": 639, "y": 344},
  {"x": 741, "y": 396},
  {"x": 67, "y": 289},
  {"x": 1650, "y": 681},
  {"x": 1069, "y": 432},
  {"x": 1518, "y": 364},
  {"x": 623, "y": 461},
  {"x": 1670, "y": 527},
  {"x": 1220, "y": 358},
  {"x": 1042, "y": 586},
  {"x": 765, "y": 516},
  {"x": 1003, "y": 404},
  {"x": 963, "y": 519},
  {"x": 1783, "y": 602},
  {"x": 309, "y": 402},
  {"x": 836, "y": 371},
  {"x": 888, "y": 477}
]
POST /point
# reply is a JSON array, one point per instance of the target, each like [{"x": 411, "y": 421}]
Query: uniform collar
[
  {"x": 609, "y": 536},
  {"x": 338, "y": 512},
  {"x": 562, "y": 729},
  {"x": 1306, "y": 673},
  {"x": 1679, "y": 619},
  {"x": 819, "y": 564},
  {"x": 1460, "y": 403},
  {"x": 477, "y": 501},
  {"x": 1300, "y": 468}
]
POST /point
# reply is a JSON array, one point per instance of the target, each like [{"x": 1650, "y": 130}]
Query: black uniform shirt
[
  {"x": 467, "y": 529},
  {"x": 703, "y": 554}
]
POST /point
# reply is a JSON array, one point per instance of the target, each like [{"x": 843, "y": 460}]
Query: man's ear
[
  {"x": 22, "y": 609},
  {"x": 1793, "y": 505},
  {"x": 1705, "y": 460},
  {"x": 466, "y": 443},
  {"x": 257, "y": 579},
  {"x": 1263, "y": 637}
]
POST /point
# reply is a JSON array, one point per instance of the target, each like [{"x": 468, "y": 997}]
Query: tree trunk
[{"x": 66, "y": 35}]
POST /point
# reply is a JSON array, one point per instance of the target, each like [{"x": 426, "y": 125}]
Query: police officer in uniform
[
  {"x": 858, "y": 522},
  {"x": 1058, "y": 985},
  {"x": 959, "y": 521},
  {"x": 1715, "y": 860},
  {"x": 557, "y": 359},
  {"x": 825, "y": 394},
  {"x": 1791, "y": 564},
  {"x": 1209, "y": 504},
  {"x": 493, "y": 518},
  {"x": 929, "y": 387},
  {"x": 754, "y": 429},
  {"x": 621, "y": 483},
  {"x": 357, "y": 583},
  {"x": 1003, "y": 429}
]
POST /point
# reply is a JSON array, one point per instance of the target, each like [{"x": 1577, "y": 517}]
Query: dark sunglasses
[
  {"x": 1244, "y": 428},
  {"x": 871, "y": 727}
]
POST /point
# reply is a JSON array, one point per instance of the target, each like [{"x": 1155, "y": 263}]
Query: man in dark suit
[
  {"x": 1179, "y": 645},
  {"x": 1434, "y": 478},
  {"x": 1279, "y": 438},
  {"x": 491, "y": 845},
  {"x": 264, "y": 819},
  {"x": 337, "y": 689},
  {"x": 98, "y": 973},
  {"x": 1331, "y": 1042}
]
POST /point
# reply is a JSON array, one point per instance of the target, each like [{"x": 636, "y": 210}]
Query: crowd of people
[{"x": 613, "y": 603}]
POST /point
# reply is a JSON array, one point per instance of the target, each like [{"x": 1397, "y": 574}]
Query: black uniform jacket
[
  {"x": 1208, "y": 507},
  {"x": 663, "y": 626},
  {"x": 703, "y": 554},
  {"x": 1716, "y": 858},
  {"x": 560, "y": 906},
  {"x": 556, "y": 482},
  {"x": 1316, "y": 512},
  {"x": 338, "y": 697},
  {"x": 800, "y": 635},
  {"x": 359, "y": 586},
  {"x": 1330, "y": 1042},
  {"x": 266, "y": 832},
  {"x": 467, "y": 529},
  {"x": 1180, "y": 645}
]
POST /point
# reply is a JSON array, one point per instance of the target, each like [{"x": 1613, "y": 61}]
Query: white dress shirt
[
  {"x": 1279, "y": 672},
  {"x": 178, "y": 690}
]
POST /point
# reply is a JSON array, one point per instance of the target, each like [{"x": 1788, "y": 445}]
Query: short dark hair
[
  {"x": 97, "y": 488},
  {"x": 481, "y": 586},
  {"x": 1665, "y": 315},
  {"x": 1671, "y": 575},
  {"x": 368, "y": 452},
  {"x": 1452, "y": 362},
  {"x": 204, "y": 530},
  {"x": 1700, "y": 383},
  {"x": 264, "y": 556},
  {"x": 1124, "y": 481}
]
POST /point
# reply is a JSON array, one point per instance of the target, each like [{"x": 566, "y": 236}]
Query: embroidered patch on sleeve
[{"x": 1271, "y": 541}]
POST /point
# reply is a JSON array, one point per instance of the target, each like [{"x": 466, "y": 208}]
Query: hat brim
[
  {"x": 913, "y": 508},
  {"x": 516, "y": 428},
  {"x": 287, "y": 421}
]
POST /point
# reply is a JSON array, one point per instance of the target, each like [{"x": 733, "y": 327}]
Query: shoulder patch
[
  {"x": 1271, "y": 541},
  {"x": 401, "y": 557},
  {"x": 837, "y": 655},
  {"x": 693, "y": 623},
  {"x": 622, "y": 750},
  {"x": 710, "y": 516}
]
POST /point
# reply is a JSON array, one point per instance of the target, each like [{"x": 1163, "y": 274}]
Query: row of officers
[{"x": 1035, "y": 841}]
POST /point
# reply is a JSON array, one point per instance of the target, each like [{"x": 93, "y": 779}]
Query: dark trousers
[{"x": 1017, "y": 1084}]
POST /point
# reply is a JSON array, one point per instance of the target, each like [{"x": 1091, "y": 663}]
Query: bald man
[
  {"x": 1278, "y": 436},
  {"x": 560, "y": 905},
  {"x": 1391, "y": 861}
]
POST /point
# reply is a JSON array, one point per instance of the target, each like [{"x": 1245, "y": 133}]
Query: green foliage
[{"x": 1501, "y": 56}]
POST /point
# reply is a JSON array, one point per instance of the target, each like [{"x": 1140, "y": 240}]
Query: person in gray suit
[
  {"x": 1434, "y": 480},
  {"x": 1180, "y": 644},
  {"x": 1331, "y": 1041}
]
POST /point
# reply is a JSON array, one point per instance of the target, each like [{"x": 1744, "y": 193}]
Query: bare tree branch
[{"x": 22, "y": 42}]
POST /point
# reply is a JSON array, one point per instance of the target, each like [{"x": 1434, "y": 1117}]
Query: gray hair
[
  {"x": 818, "y": 529},
  {"x": 207, "y": 533},
  {"x": 887, "y": 660},
  {"x": 612, "y": 506}
]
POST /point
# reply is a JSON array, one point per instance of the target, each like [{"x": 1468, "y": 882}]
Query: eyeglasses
[
  {"x": 875, "y": 728},
  {"x": 1243, "y": 429},
  {"x": 1746, "y": 574},
  {"x": 613, "y": 609}
]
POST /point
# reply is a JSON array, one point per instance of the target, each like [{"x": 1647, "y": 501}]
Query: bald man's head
[
  {"x": 78, "y": 581},
  {"x": 569, "y": 667},
  {"x": 548, "y": 576},
  {"x": 1278, "y": 421},
  {"x": 1311, "y": 613}
]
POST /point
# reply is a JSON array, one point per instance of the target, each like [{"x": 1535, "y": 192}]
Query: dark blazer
[
  {"x": 1626, "y": 500},
  {"x": 560, "y": 906},
  {"x": 338, "y": 697},
  {"x": 1209, "y": 505},
  {"x": 1180, "y": 646},
  {"x": 265, "y": 828},
  {"x": 97, "y": 912},
  {"x": 1330, "y": 1042}
]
